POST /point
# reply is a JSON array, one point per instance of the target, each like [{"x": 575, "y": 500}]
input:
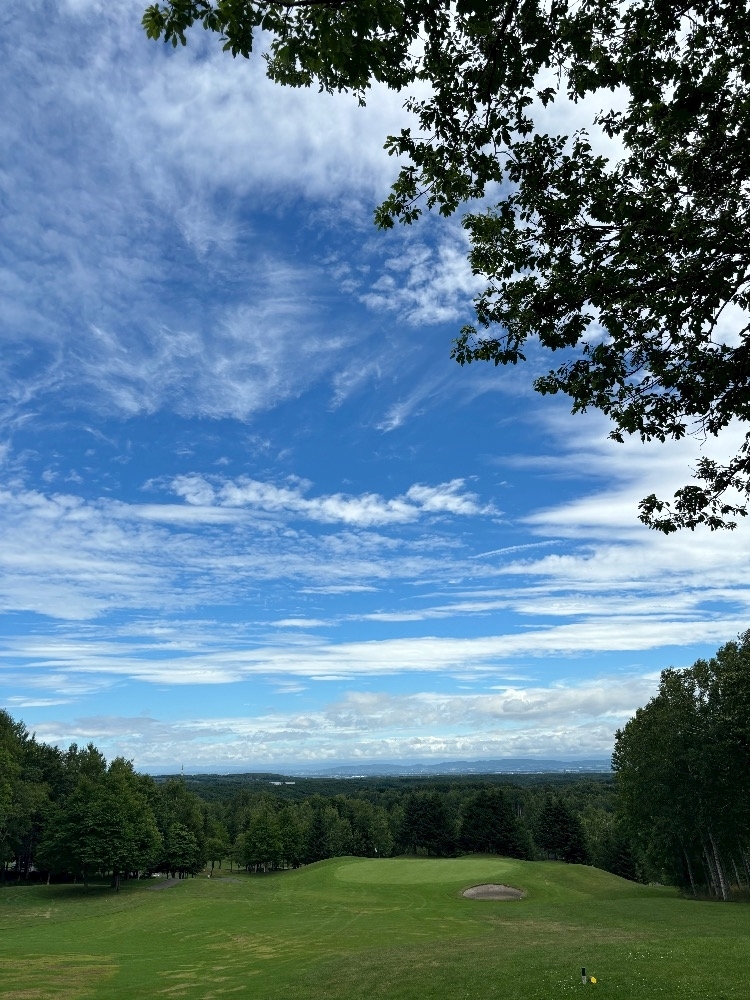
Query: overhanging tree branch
[{"x": 647, "y": 249}]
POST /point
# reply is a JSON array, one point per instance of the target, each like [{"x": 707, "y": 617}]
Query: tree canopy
[
  {"x": 634, "y": 267},
  {"x": 682, "y": 768},
  {"x": 489, "y": 825},
  {"x": 559, "y": 832}
]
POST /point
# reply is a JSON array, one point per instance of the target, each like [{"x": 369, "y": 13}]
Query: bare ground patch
[
  {"x": 166, "y": 883},
  {"x": 56, "y": 977},
  {"x": 490, "y": 890}
]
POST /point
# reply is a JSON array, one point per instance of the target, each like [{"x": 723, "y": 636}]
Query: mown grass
[{"x": 353, "y": 928}]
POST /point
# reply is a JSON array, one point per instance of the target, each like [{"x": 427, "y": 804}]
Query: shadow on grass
[
  {"x": 96, "y": 888},
  {"x": 736, "y": 895}
]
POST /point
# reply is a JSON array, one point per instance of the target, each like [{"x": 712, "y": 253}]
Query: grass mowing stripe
[{"x": 350, "y": 928}]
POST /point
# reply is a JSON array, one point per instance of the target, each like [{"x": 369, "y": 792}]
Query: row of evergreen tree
[{"x": 682, "y": 768}]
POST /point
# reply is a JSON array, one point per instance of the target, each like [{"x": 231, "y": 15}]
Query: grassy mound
[{"x": 353, "y": 928}]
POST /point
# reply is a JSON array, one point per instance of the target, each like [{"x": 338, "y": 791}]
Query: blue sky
[{"x": 252, "y": 514}]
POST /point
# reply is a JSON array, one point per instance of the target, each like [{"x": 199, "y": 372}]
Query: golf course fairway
[{"x": 351, "y": 928}]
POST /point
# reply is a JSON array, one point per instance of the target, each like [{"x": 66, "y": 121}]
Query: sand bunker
[{"x": 489, "y": 891}]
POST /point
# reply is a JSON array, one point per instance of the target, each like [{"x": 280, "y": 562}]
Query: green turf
[{"x": 394, "y": 928}]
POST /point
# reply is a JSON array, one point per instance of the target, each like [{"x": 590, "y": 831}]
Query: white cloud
[
  {"x": 135, "y": 281},
  {"x": 610, "y": 698},
  {"x": 225, "y": 361},
  {"x": 446, "y": 498},
  {"x": 218, "y": 658},
  {"x": 363, "y": 511},
  {"x": 565, "y": 720},
  {"x": 300, "y": 623},
  {"x": 220, "y": 121},
  {"x": 62, "y": 557},
  {"x": 141, "y": 272},
  {"x": 366, "y": 510},
  {"x": 426, "y": 284},
  {"x": 611, "y": 548},
  {"x": 17, "y": 702},
  {"x": 71, "y": 558},
  {"x": 414, "y": 402},
  {"x": 610, "y": 583}
]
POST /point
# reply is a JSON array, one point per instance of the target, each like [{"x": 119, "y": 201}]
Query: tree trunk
[
  {"x": 719, "y": 869},
  {"x": 736, "y": 873},
  {"x": 745, "y": 862},
  {"x": 712, "y": 888},
  {"x": 690, "y": 871}
]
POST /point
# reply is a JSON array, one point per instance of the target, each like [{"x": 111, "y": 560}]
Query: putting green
[{"x": 414, "y": 871}]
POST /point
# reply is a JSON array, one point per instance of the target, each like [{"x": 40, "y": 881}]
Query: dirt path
[{"x": 166, "y": 883}]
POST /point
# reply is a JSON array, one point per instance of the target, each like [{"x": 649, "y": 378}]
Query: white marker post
[{"x": 583, "y": 976}]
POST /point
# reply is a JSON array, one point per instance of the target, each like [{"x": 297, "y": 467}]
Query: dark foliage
[
  {"x": 489, "y": 825},
  {"x": 427, "y": 824},
  {"x": 683, "y": 773},
  {"x": 559, "y": 833}
]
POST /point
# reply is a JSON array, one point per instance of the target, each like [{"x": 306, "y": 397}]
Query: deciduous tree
[
  {"x": 682, "y": 765},
  {"x": 105, "y": 826},
  {"x": 181, "y": 856},
  {"x": 263, "y": 843}
]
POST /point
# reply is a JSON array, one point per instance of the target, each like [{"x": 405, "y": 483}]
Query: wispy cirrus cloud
[
  {"x": 425, "y": 283},
  {"x": 300, "y": 623},
  {"x": 137, "y": 273},
  {"x": 224, "y": 656},
  {"x": 70, "y": 557},
  {"x": 608, "y": 548},
  {"x": 130, "y": 281}
]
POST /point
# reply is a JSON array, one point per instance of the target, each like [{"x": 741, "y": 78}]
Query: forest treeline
[
  {"x": 682, "y": 773},
  {"x": 677, "y": 809},
  {"x": 70, "y": 815}
]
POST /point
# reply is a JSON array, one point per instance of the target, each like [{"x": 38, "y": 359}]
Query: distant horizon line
[{"x": 392, "y": 767}]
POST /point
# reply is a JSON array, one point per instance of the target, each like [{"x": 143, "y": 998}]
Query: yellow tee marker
[{"x": 592, "y": 979}]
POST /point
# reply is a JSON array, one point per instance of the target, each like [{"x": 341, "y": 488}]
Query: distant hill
[
  {"x": 506, "y": 765},
  {"x": 389, "y": 768}
]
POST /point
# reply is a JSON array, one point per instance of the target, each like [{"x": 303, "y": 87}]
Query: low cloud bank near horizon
[{"x": 557, "y": 722}]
